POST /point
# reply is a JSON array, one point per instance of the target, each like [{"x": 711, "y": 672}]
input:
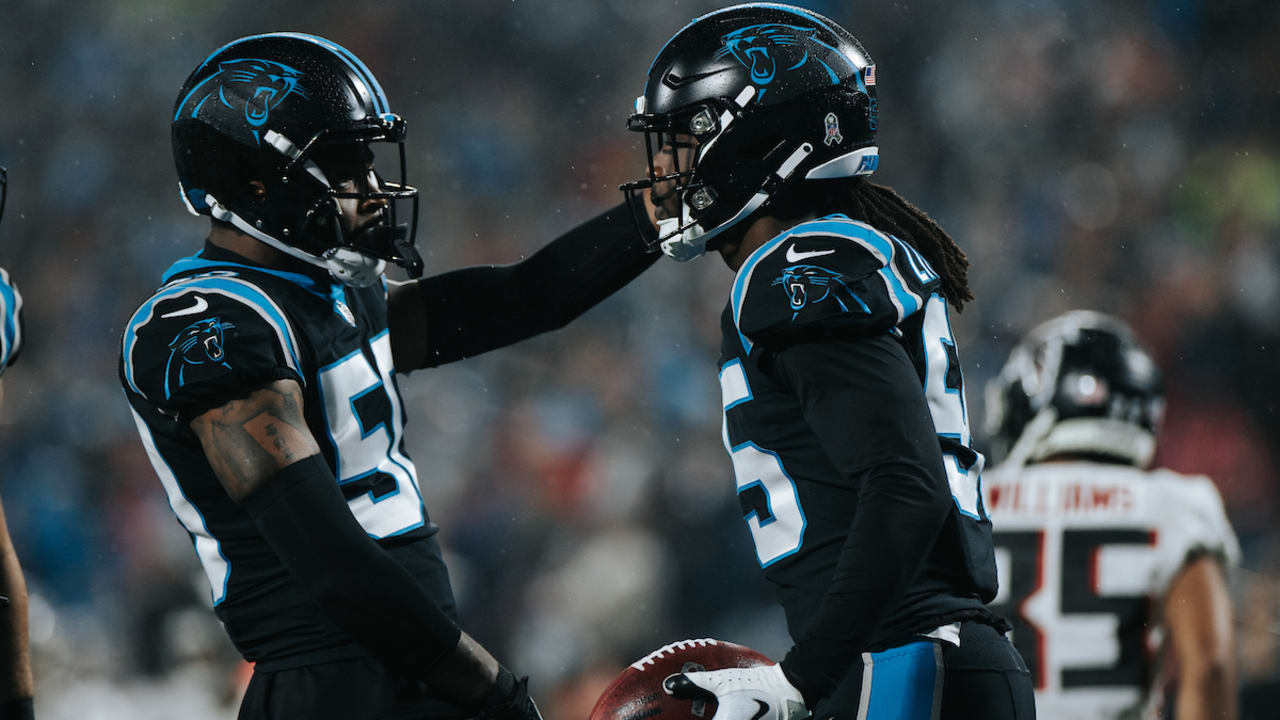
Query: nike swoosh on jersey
[
  {"x": 764, "y": 708},
  {"x": 793, "y": 256},
  {"x": 200, "y": 306}
]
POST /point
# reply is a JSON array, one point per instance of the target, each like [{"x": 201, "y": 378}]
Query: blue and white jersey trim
[
  {"x": 881, "y": 246},
  {"x": 212, "y": 559},
  {"x": 235, "y": 288},
  {"x": 11, "y": 329}
]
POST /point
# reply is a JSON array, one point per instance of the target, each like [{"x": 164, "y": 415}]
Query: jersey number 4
[{"x": 365, "y": 423}]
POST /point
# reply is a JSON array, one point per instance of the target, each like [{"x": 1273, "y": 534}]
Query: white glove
[{"x": 756, "y": 693}]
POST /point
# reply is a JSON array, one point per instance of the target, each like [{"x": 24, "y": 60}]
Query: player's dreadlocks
[{"x": 884, "y": 209}]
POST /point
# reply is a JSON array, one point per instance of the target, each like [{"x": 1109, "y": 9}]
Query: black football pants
[
  {"x": 350, "y": 689},
  {"x": 983, "y": 679}
]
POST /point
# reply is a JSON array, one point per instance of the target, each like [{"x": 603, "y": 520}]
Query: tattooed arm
[
  {"x": 248, "y": 441},
  {"x": 267, "y": 460}
]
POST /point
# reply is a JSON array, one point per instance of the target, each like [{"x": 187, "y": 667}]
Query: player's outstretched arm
[
  {"x": 267, "y": 460},
  {"x": 459, "y": 314},
  {"x": 1197, "y": 610},
  {"x": 17, "y": 685}
]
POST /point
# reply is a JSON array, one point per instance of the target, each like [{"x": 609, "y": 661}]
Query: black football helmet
[
  {"x": 265, "y": 108},
  {"x": 1082, "y": 384},
  {"x": 773, "y": 95}
]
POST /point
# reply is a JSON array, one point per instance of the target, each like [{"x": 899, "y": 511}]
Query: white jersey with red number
[{"x": 1085, "y": 552}]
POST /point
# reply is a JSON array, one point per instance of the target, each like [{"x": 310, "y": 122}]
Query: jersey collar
[{"x": 212, "y": 257}]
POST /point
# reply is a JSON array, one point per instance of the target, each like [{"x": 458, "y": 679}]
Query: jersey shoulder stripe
[
  {"x": 238, "y": 290},
  {"x": 833, "y": 252},
  {"x": 11, "y": 329}
]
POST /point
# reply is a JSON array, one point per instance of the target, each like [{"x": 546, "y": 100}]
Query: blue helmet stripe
[
  {"x": 802, "y": 12},
  {"x": 9, "y": 309},
  {"x": 375, "y": 90},
  {"x": 178, "y": 112}
]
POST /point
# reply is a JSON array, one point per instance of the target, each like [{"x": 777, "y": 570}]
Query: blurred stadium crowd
[{"x": 1120, "y": 156}]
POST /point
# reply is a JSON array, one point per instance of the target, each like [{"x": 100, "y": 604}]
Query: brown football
[{"x": 637, "y": 693}]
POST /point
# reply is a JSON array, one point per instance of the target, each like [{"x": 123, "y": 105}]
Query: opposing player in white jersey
[{"x": 1112, "y": 574}]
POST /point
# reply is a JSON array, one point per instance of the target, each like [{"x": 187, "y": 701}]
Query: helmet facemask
[
  {"x": 336, "y": 156},
  {"x": 303, "y": 205},
  {"x": 701, "y": 213}
]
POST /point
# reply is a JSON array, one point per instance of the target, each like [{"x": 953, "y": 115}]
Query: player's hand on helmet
[
  {"x": 756, "y": 693},
  {"x": 508, "y": 700}
]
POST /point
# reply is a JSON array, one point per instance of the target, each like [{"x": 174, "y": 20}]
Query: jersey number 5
[
  {"x": 770, "y": 503},
  {"x": 365, "y": 424}
]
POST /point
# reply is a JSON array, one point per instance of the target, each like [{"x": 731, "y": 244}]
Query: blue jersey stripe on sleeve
[
  {"x": 216, "y": 565},
  {"x": 10, "y": 306},
  {"x": 235, "y": 288},
  {"x": 905, "y": 301}
]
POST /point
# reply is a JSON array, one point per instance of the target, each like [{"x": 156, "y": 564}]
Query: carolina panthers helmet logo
[
  {"x": 253, "y": 85},
  {"x": 770, "y": 48},
  {"x": 200, "y": 343},
  {"x": 811, "y": 284}
]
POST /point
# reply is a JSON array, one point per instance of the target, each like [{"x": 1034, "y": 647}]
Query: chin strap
[
  {"x": 344, "y": 265},
  {"x": 684, "y": 243}
]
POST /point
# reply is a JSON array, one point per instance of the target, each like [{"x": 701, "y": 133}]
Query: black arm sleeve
[
  {"x": 864, "y": 401},
  {"x": 305, "y": 519},
  {"x": 477, "y": 309}
]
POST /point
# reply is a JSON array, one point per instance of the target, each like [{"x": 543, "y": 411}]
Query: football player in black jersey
[
  {"x": 16, "y": 682},
  {"x": 844, "y": 400},
  {"x": 262, "y": 379}
]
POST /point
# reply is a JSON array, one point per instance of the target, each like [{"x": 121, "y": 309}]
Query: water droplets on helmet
[{"x": 264, "y": 108}]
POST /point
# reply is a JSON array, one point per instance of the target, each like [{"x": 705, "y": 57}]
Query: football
[{"x": 636, "y": 694}]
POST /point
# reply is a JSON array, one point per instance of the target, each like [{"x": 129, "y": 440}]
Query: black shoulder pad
[
  {"x": 201, "y": 341},
  {"x": 832, "y": 276}
]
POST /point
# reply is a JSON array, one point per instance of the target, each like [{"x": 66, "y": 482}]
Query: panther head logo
[
  {"x": 811, "y": 284},
  {"x": 201, "y": 341},
  {"x": 258, "y": 86},
  {"x": 768, "y": 48}
]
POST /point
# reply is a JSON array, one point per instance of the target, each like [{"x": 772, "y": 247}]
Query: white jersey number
[
  {"x": 944, "y": 390},
  {"x": 364, "y": 420},
  {"x": 768, "y": 495}
]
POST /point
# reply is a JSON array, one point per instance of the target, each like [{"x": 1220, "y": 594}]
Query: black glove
[{"x": 508, "y": 700}]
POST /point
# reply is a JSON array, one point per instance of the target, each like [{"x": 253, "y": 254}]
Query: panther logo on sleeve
[
  {"x": 258, "y": 86},
  {"x": 200, "y": 343},
  {"x": 807, "y": 285}
]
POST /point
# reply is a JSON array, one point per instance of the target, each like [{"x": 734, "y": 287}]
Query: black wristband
[
  {"x": 808, "y": 690},
  {"x": 503, "y": 690},
  {"x": 17, "y": 709}
]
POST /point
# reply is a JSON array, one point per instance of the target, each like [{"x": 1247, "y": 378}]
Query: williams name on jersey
[{"x": 1086, "y": 552}]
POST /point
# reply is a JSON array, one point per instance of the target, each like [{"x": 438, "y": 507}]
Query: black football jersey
[
  {"x": 838, "y": 278},
  {"x": 219, "y": 328}
]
